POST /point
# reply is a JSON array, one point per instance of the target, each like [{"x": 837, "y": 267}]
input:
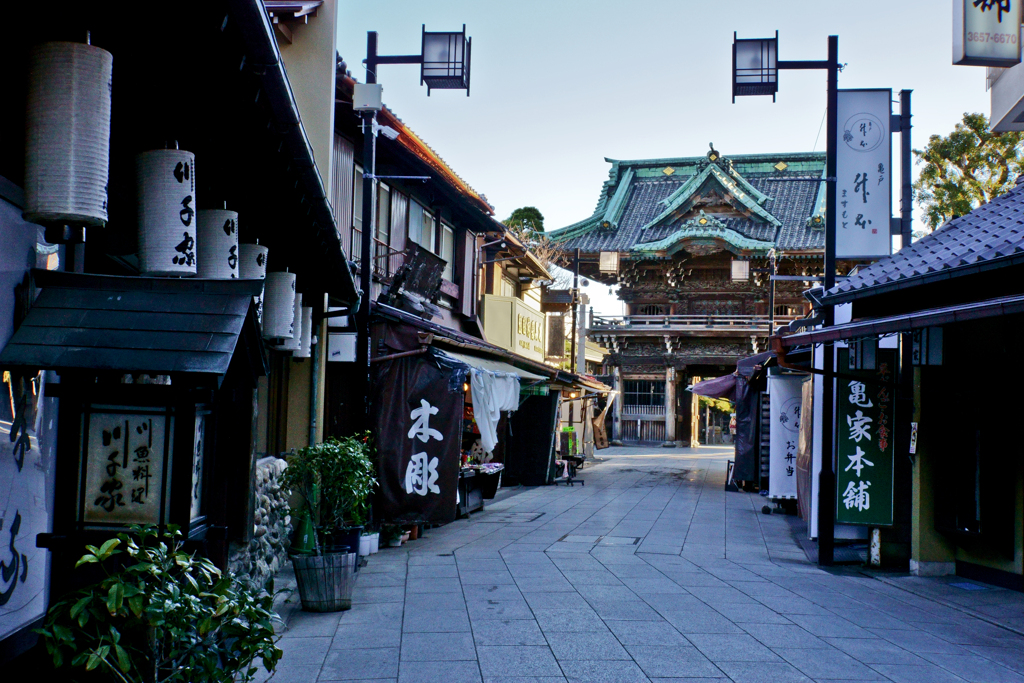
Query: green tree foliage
[
  {"x": 161, "y": 615},
  {"x": 525, "y": 221},
  {"x": 720, "y": 404},
  {"x": 336, "y": 479},
  {"x": 969, "y": 167}
]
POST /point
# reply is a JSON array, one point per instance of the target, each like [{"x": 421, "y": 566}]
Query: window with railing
[{"x": 643, "y": 396}]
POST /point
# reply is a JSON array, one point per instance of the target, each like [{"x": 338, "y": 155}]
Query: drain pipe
[{"x": 314, "y": 397}]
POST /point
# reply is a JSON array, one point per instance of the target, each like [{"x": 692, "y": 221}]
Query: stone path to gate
[{"x": 649, "y": 572}]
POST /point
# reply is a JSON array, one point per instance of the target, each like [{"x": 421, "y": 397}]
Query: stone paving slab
[{"x": 651, "y": 572}]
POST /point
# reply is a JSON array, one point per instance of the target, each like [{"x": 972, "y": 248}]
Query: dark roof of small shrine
[
  {"x": 134, "y": 324},
  {"x": 642, "y": 201},
  {"x": 989, "y": 237}
]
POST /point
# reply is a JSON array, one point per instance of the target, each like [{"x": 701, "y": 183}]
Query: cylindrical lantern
[
  {"x": 167, "y": 212},
  {"x": 295, "y": 343},
  {"x": 252, "y": 265},
  {"x": 217, "y": 244},
  {"x": 67, "y": 134},
  {"x": 279, "y": 306},
  {"x": 306, "y": 341}
]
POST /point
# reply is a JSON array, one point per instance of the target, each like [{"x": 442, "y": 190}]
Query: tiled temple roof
[{"x": 643, "y": 201}]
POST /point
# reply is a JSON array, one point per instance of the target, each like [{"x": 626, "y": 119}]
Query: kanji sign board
[
  {"x": 864, "y": 174},
  {"x": 864, "y": 442}
]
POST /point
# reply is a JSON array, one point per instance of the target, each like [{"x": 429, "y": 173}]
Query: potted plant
[
  {"x": 391, "y": 534},
  {"x": 161, "y": 615},
  {"x": 334, "y": 481}
]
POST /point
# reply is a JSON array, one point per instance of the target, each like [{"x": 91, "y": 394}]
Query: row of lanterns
[{"x": 66, "y": 181}]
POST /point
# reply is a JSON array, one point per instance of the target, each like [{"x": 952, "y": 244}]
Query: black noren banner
[{"x": 419, "y": 438}]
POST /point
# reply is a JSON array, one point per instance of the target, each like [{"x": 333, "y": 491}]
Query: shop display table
[{"x": 476, "y": 484}]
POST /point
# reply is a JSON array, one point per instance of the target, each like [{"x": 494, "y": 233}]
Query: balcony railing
[
  {"x": 386, "y": 261},
  {"x": 643, "y": 410},
  {"x": 686, "y": 322}
]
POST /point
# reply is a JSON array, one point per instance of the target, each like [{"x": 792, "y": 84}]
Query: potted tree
[{"x": 333, "y": 481}]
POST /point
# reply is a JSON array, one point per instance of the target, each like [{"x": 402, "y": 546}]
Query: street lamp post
[
  {"x": 444, "y": 62},
  {"x": 755, "y": 72}
]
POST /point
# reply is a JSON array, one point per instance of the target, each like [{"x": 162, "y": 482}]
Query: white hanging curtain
[{"x": 493, "y": 394}]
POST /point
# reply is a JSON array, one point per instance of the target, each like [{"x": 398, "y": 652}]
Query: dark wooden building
[{"x": 693, "y": 245}]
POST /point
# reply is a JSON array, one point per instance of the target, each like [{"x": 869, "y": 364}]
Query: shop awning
[
  {"x": 908, "y": 322},
  {"x": 491, "y": 365},
  {"x": 719, "y": 387},
  {"x": 135, "y": 324}
]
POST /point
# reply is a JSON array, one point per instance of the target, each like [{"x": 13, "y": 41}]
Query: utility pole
[
  {"x": 363, "y": 353},
  {"x": 575, "y": 305},
  {"x": 827, "y": 477}
]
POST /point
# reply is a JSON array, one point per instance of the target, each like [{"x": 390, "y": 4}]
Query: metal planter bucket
[{"x": 325, "y": 581}]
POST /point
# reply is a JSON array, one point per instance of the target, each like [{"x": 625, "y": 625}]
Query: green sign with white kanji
[{"x": 864, "y": 441}]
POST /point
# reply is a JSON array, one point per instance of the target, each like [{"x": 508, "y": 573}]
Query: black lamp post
[
  {"x": 755, "y": 72},
  {"x": 444, "y": 64}
]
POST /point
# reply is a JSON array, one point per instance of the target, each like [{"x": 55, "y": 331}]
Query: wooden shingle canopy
[{"x": 135, "y": 324}]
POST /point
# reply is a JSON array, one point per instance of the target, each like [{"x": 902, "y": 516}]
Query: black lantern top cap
[
  {"x": 755, "y": 69},
  {"x": 446, "y": 60}
]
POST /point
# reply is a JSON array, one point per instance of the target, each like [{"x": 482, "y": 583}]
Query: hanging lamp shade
[
  {"x": 279, "y": 306},
  {"x": 306, "y": 340},
  {"x": 295, "y": 343},
  {"x": 167, "y": 216},
  {"x": 252, "y": 265},
  {"x": 217, "y": 244},
  {"x": 67, "y": 134}
]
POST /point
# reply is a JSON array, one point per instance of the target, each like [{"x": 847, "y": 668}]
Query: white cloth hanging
[{"x": 493, "y": 393}]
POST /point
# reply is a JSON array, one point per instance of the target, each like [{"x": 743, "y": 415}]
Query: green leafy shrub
[
  {"x": 336, "y": 479},
  {"x": 165, "y": 616}
]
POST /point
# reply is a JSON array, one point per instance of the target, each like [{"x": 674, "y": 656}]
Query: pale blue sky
[{"x": 558, "y": 85}]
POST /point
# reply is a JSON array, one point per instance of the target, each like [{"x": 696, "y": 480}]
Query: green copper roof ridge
[
  {"x": 617, "y": 204},
  {"x": 759, "y": 197},
  {"x": 692, "y": 184},
  {"x": 580, "y": 228},
  {"x": 715, "y": 229},
  {"x": 754, "y": 205},
  {"x": 577, "y": 229},
  {"x": 736, "y": 158}
]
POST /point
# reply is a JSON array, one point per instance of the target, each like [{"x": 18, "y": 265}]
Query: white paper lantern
[
  {"x": 67, "y": 134},
  {"x": 167, "y": 212},
  {"x": 306, "y": 341},
  {"x": 279, "y": 306},
  {"x": 252, "y": 265},
  {"x": 295, "y": 343},
  {"x": 217, "y": 244}
]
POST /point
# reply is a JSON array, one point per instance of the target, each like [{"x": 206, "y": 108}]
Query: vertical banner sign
[
  {"x": 864, "y": 174},
  {"x": 986, "y": 32},
  {"x": 864, "y": 443},
  {"x": 419, "y": 408},
  {"x": 786, "y": 406}
]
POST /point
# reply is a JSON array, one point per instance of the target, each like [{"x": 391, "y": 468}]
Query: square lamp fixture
[
  {"x": 446, "y": 60},
  {"x": 755, "y": 69}
]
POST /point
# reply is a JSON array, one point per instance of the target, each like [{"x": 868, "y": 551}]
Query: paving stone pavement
[{"x": 649, "y": 572}]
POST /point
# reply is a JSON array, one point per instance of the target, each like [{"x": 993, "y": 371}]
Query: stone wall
[{"x": 267, "y": 552}]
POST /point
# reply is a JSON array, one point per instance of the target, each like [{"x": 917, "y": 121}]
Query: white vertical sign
[
  {"x": 864, "y": 174},
  {"x": 785, "y": 394},
  {"x": 986, "y": 32}
]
